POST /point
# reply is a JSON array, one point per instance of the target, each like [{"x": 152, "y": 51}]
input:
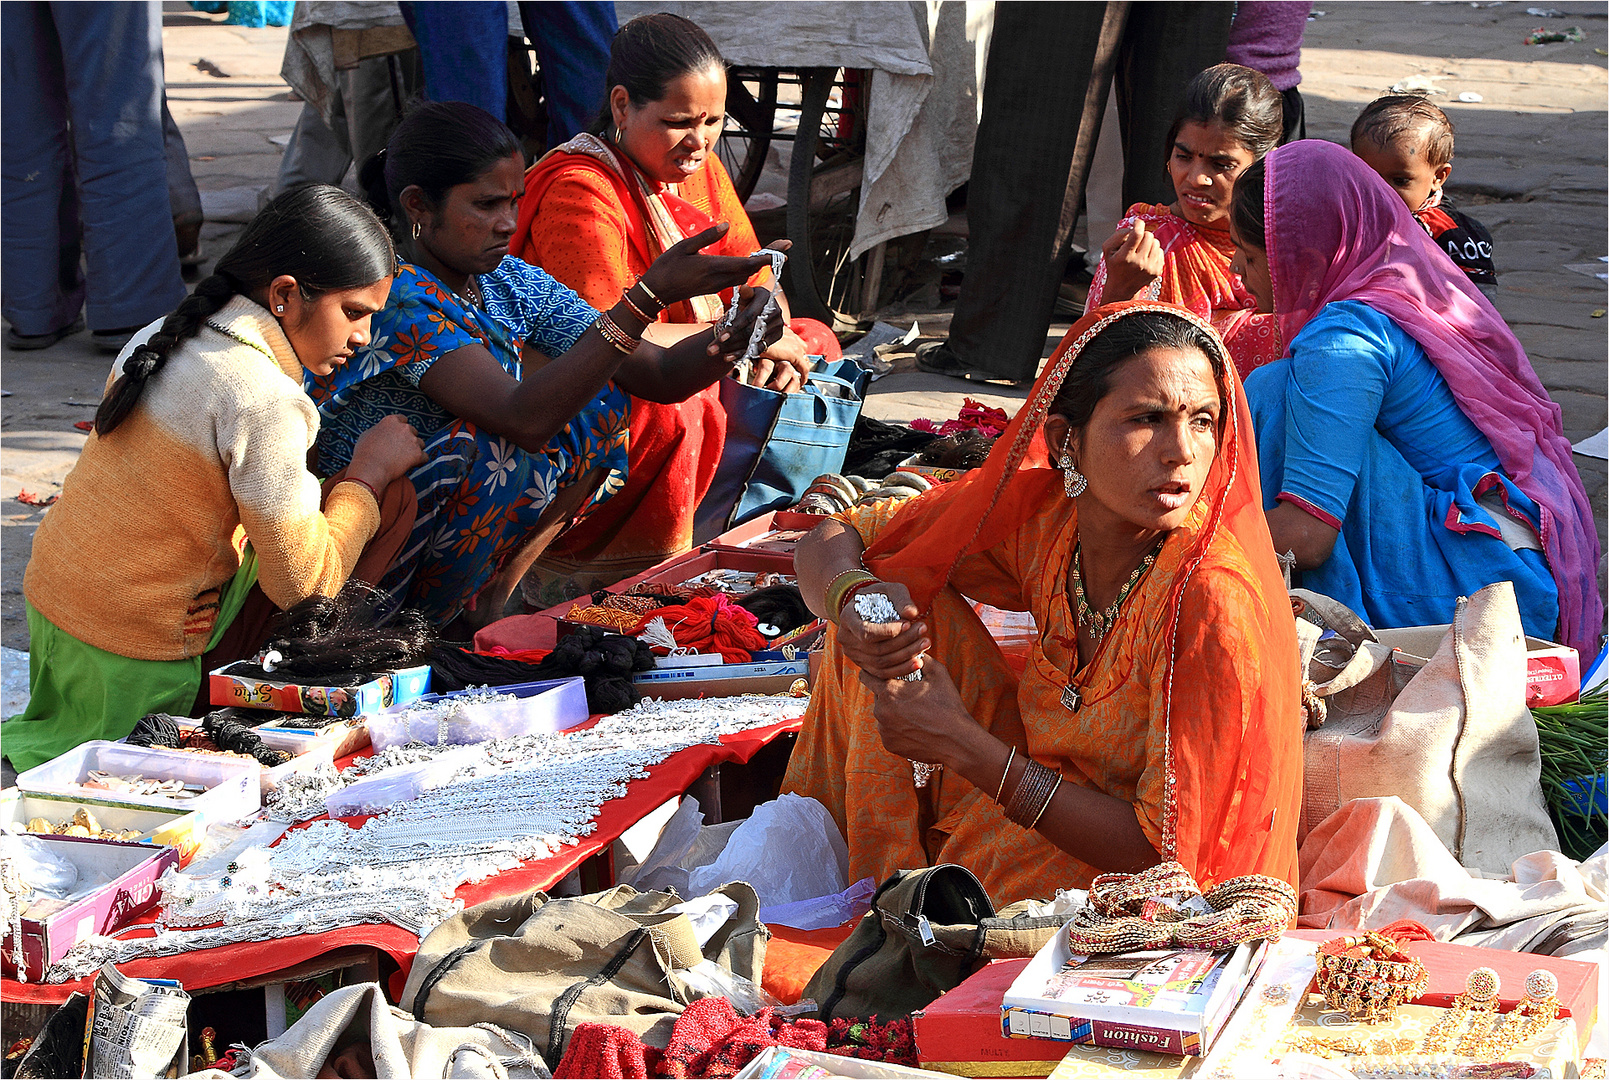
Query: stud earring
[
  {"x": 279, "y": 309},
  {"x": 1073, "y": 481},
  {"x": 416, "y": 230}
]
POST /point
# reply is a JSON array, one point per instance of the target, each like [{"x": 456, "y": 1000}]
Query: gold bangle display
[
  {"x": 1031, "y": 794},
  {"x": 838, "y": 589},
  {"x": 1371, "y": 986},
  {"x": 622, "y": 341},
  {"x": 1001, "y": 790}
]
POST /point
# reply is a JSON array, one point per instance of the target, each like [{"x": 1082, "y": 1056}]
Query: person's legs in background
[
  {"x": 463, "y": 50},
  {"x": 572, "y": 42},
  {"x": 39, "y": 222},
  {"x": 1295, "y": 115},
  {"x": 111, "y": 57},
  {"x": 183, "y": 196},
  {"x": 365, "y": 107},
  {"x": 1165, "y": 45}
]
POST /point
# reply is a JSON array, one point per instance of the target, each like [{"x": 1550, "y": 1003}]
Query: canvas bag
[
  {"x": 928, "y": 930},
  {"x": 402, "y": 1047},
  {"x": 539, "y": 966},
  {"x": 1453, "y": 739},
  {"x": 777, "y": 444}
]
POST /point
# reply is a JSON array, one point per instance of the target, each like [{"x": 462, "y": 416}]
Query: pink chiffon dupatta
[{"x": 1336, "y": 231}]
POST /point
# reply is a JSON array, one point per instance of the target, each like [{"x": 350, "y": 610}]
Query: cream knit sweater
[{"x": 154, "y": 517}]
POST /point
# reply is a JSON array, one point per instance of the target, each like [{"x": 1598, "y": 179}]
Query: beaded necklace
[
  {"x": 1099, "y": 623},
  {"x": 226, "y": 332}
]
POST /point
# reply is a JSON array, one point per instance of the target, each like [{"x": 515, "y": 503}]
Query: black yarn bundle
[
  {"x": 342, "y": 640},
  {"x": 453, "y": 667},
  {"x": 226, "y": 733},
  {"x": 778, "y": 606}
]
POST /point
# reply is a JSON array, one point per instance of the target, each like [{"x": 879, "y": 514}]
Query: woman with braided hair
[{"x": 190, "y": 515}]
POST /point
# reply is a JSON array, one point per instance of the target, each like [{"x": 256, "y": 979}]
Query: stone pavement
[{"x": 1530, "y": 164}]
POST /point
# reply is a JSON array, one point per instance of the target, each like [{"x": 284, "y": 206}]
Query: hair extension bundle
[
  {"x": 237, "y": 738},
  {"x": 341, "y": 640},
  {"x": 605, "y": 660},
  {"x": 781, "y": 607},
  {"x": 453, "y": 667}
]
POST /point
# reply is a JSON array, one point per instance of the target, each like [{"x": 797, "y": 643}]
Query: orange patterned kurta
[
  {"x": 1113, "y": 744},
  {"x": 1196, "y": 276}
]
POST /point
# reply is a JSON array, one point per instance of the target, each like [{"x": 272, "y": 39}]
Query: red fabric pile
[
  {"x": 709, "y": 624},
  {"x": 973, "y": 415},
  {"x": 709, "y": 1039}
]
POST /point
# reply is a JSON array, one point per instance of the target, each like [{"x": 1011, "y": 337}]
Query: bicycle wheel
[
  {"x": 824, "y": 196},
  {"x": 750, "y": 118}
]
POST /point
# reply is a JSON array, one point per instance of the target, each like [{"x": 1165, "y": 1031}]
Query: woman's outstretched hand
[
  {"x": 683, "y": 271},
  {"x": 883, "y": 651}
]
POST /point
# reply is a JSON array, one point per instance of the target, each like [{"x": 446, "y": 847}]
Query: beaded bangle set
[
  {"x": 1369, "y": 986},
  {"x": 621, "y": 341},
  {"x": 1029, "y": 799}
]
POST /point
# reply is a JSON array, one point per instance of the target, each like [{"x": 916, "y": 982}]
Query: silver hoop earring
[
  {"x": 416, "y": 230},
  {"x": 1073, "y": 481}
]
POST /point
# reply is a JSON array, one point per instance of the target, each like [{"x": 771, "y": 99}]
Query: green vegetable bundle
[{"x": 1575, "y": 744}]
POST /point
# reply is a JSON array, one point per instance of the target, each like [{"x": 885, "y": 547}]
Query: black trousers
[{"x": 1049, "y": 68}]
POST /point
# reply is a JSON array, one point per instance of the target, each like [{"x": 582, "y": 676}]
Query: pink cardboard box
[{"x": 51, "y": 927}]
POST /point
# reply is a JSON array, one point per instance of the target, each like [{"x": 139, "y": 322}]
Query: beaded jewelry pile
[
  {"x": 1369, "y": 986},
  {"x": 1162, "y": 908},
  {"x": 509, "y": 801}
]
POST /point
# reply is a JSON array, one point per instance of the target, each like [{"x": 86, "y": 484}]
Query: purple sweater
[{"x": 1267, "y": 36}]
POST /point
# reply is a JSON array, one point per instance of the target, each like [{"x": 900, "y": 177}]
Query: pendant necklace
[{"x": 1099, "y": 623}]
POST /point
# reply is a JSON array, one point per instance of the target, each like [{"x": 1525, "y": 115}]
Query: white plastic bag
[{"x": 789, "y": 850}]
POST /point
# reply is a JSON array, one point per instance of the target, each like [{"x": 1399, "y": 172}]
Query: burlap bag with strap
[
  {"x": 540, "y": 967},
  {"x": 1453, "y": 739},
  {"x": 927, "y": 931}
]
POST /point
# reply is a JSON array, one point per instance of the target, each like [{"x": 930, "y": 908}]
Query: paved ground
[{"x": 1530, "y": 164}]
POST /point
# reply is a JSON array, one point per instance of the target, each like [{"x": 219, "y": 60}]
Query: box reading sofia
[{"x": 1168, "y": 1001}]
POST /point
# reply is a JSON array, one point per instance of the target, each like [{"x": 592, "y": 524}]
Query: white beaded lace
[{"x": 513, "y": 800}]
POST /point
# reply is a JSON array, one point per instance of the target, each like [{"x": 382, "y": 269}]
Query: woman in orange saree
[
  {"x": 596, "y": 212},
  {"x": 1160, "y": 706},
  {"x": 1181, "y": 253}
]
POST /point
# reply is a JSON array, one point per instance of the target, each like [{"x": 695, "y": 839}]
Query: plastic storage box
[
  {"x": 233, "y": 785},
  {"x": 550, "y": 705},
  {"x": 166, "y": 828}
]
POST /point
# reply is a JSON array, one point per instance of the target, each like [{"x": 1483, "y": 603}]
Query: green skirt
[{"x": 77, "y": 692}]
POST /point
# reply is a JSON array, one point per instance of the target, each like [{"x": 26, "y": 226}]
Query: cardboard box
[
  {"x": 51, "y": 927},
  {"x": 233, "y": 785},
  {"x": 182, "y": 831},
  {"x": 1171, "y": 1001},
  {"x": 1552, "y": 671},
  {"x": 960, "y": 1032},
  {"x": 382, "y": 692}
]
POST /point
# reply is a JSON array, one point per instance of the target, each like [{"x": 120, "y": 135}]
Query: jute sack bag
[
  {"x": 928, "y": 930},
  {"x": 1453, "y": 739},
  {"x": 402, "y": 1047},
  {"x": 540, "y": 967}
]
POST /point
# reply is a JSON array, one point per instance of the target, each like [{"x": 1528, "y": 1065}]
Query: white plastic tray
[
  {"x": 233, "y": 786},
  {"x": 551, "y": 705}
]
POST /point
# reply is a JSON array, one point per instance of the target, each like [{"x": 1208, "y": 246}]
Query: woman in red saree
[
  {"x": 596, "y": 212},
  {"x": 1180, "y": 254},
  {"x": 1160, "y": 705}
]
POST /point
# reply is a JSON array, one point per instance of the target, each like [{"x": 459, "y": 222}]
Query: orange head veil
[{"x": 922, "y": 545}]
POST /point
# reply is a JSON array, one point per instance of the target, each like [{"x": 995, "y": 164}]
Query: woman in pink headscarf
[{"x": 1409, "y": 453}]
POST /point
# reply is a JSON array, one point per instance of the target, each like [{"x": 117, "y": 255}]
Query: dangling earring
[
  {"x": 1073, "y": 481},
  {"x": 416, "y": 230}
]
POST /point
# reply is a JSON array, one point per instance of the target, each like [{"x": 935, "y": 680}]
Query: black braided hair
[
  {"x": 342, "y": 640},
  {"x": 318, "y": 234}
]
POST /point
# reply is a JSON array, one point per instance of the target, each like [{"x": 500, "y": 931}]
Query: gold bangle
[
  {"x": 642, "y": 317},
  {"x": 1001, "y": 790},
  {"x": 1046, "y": 804},
  {"x": 622, "y": 341},
  {"x": 837, "y": 589}
]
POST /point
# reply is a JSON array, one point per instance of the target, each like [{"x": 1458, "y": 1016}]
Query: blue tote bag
[{"x": 776, "y": 444}]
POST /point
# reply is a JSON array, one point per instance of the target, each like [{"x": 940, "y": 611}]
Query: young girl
[
  {"x": 193, "y": 487},
  {"x": 1180, "y": 254}
]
